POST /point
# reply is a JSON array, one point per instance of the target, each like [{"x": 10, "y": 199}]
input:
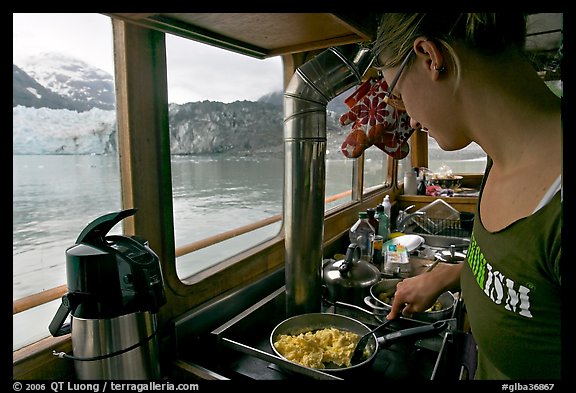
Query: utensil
[
  {"x": 419, "y": 330},
  {"x": 358, "y": 353},
  {"x": 432, "y": 265}
]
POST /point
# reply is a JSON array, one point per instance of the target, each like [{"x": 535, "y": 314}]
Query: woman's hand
[{"x": 419, "y": 293}]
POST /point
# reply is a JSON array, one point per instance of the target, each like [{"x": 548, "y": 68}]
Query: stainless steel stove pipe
[{"x": 313, "y": 85}]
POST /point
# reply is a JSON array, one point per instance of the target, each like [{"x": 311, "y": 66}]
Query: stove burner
[{"x": 245, "y": 352}]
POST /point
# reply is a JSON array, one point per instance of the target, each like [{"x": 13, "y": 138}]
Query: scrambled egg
[{"x": 316, "y": 349}]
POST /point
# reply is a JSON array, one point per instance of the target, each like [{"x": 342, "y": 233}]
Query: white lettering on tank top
[{"x": 500, "y": 289}]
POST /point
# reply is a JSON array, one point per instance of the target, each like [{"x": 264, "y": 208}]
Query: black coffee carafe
[{"x": 115, "y": 289}]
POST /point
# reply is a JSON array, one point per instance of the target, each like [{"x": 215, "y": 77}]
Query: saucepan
[
  {"x": 311, "y": 322},
  {"x": 383, "y": 291}
]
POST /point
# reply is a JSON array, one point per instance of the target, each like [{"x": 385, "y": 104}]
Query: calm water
[{"x": 55, "y": 197}]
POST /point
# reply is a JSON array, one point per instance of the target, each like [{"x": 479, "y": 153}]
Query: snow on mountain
[
  {"x": 61, "y": 131},
  {"x": 62, "y": 105},
  {"x": 72, "y": 78}
]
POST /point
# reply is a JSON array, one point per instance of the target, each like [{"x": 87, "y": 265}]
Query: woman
[{"x": 464, "y": 79}]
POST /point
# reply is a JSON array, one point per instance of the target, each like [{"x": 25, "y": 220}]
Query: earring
[{"x": 439, "y": 70}]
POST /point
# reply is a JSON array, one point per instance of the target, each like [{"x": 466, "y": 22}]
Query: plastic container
[
  {"x": 410, "y": 183},
  {"x": 384, "y": 218},
  {"x": 396, "y": 261},
  {"x": 362, "y": 234}
]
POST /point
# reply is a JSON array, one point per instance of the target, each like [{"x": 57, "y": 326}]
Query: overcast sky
[{"x": 196, "y": 72}]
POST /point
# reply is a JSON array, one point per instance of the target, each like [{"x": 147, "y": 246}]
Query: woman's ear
[{"x": 430, "y": 54}]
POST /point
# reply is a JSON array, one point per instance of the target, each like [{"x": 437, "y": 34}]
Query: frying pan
[{"x": 314, "y": 321}]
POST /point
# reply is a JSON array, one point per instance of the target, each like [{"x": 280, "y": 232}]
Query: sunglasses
[{"x": 389, "y": 97}]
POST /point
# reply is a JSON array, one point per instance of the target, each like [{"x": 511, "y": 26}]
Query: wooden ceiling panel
[{"x": 262, "y": 34}]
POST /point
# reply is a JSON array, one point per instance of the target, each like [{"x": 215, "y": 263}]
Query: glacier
[{"x": 61, "y": 131}]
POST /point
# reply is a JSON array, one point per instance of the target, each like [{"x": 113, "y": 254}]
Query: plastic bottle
[
  {"x": 362, "y": 233},
  {"x": 379, "y": 217},
  {"x": 377, "y": 252},
  {"x": 384, "y": 223},
  {"x": 372, "y": 219}
]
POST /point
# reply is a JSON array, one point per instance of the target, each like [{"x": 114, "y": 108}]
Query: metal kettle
[
  {"x": 115, "y": 289},
  {"x": 349, "y": 280}
]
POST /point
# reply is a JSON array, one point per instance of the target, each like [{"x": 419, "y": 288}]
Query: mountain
[
  {"x": 83, "y": 86},
  {"x": 29, "y": 93},
  {"x": 336, "y": 105},
  {"x": 64, "y": 106}
]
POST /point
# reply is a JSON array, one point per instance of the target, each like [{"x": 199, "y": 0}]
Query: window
[
  {"x": 65, "y": 163},
  {"x": 226, "y": 139},
  {"x": 375, "y": 168},
  {"x": 471, "y": 159},
  {"x": 339, "y": 169}
]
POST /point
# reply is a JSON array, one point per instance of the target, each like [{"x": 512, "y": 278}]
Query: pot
[
  {"x": 349, "y": 280},
  {"x": 446, "y": 300},
  {"x": 314, "y": 321}
]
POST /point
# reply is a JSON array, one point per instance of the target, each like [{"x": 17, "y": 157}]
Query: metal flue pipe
[{"x": 313, "y": 85}]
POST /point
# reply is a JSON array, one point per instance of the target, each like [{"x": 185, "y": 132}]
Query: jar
[{"x": 410, "y": 186}]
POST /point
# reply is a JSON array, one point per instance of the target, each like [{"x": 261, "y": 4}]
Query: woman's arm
[{"x": 417, "y": 294}]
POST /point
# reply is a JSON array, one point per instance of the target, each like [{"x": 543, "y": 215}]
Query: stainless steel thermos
[{"x": 115, "y": 289}]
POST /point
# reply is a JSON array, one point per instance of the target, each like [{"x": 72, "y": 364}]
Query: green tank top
[{"x": 511, "y": 289}]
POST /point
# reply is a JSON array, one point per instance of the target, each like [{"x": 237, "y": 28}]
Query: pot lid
[
  {"x": 450, "y": 256},
  {"x": 352, "y": 271}
]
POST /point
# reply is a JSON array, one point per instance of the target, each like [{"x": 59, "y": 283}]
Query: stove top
[{"x": 243, "y": 349}]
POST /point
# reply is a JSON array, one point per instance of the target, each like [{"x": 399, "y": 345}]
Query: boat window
[
  {"x": 339, "y": 169},
  {"x": 471, "y": 159},
  {"x": 404, "y": 165},
  {"x": 375, "y": 168},
  {"x": 226, "y": 139},
  {"x": 65, "y": 161}
]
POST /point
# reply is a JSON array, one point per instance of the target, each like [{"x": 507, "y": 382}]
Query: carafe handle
[{"x": 57, "y": 327}]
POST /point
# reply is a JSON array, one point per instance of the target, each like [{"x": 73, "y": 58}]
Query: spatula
[{"x": 359, "y": 350}]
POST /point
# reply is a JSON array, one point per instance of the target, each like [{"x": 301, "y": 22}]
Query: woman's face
[{"x": 429, "y": 100}]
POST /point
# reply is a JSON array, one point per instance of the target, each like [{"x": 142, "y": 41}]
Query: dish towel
[{"x": 374, "y": 122}]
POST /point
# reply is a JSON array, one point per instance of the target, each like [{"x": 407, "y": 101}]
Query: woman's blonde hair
[{"x": 489, "y": 33}]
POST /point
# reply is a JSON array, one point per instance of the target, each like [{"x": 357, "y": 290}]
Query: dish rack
[
  {"x": 443, "y": 226},
  {"x": 441, "y": 219}
]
